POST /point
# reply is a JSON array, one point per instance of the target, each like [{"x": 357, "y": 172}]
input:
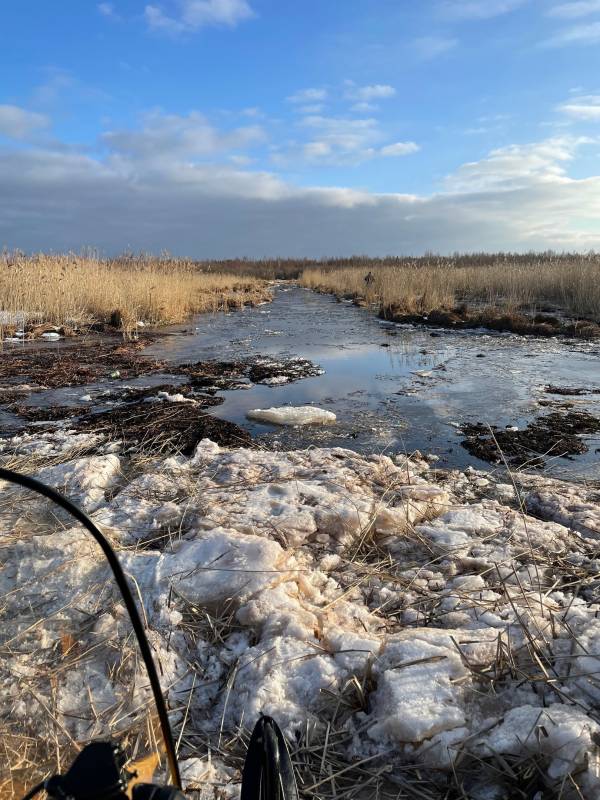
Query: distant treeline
[{"x": 292, "y": 268}]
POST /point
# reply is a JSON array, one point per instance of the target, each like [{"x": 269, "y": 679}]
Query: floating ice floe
[
  {"x": 293, "y": 415},
  {"x": 51, "y": 336}
]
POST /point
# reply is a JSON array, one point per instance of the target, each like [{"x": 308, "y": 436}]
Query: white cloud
[
  {"x": 314, "y": 108},
  {"x": 108, "y": 10},
  {"x": 399, "y": 149},
  {"x": 517, "y": 166},
  {"x": 308, "y": 96},
  {"x": 581, "y": 8},
  {"x": 428, "y": 47},
  {"x": 17, "y": 123},
  {"x": 585, "y": 107},
  {"x": 340, "y": 140},
  {"x": 516, "y": 198},
  {"x": 577, "y": 34},
  {"x": 364, "y": 107},
  {"x": 169, "y": 137},
  {"x": 478, "y": 9},
  {"x": 364, "y": 94},
  {"x": 191, "y": 15}
]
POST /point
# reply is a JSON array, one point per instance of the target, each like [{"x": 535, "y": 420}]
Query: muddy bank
[
  {"x": 556, "y": 435},
  {"x": 574, "y": 391},
  {"x": 464, "y": 318}
]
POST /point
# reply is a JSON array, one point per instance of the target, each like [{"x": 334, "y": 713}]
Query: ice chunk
[
  {"x": 174, "y": 398},
  {"x": 293, "y": 415}
]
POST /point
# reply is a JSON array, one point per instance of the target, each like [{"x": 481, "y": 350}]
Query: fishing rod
[{"x": 99, "y": 772}]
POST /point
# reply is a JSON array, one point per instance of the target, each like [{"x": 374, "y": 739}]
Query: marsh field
[{"x": 361, "y": 496}]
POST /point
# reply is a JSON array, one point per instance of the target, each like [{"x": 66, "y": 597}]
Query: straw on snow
[{"x": 414, "y": 632}]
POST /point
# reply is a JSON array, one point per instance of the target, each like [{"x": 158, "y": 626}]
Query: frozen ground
[{"x": 428, "y": 633}]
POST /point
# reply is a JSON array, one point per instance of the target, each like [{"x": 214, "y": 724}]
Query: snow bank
[
  {"x": 416, "y": 621},
  {"x": 293, "y": 415}
]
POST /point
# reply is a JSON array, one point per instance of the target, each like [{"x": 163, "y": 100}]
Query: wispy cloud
[
  {"x": 516, "y": 166},
  {"x": 581, "y": 8},
  {"x": 191, "y": 15},
  {"x": 586, "y": 107},
  {"x": 364, "y": 108},
  {"x": 478, "y": 9},
  {"x": 339, "y": 140},
  {"x": 428, "y": 47},
  {"x": 173, "y": 138},
  {"x": 313, "y": 108},
  {"x": 399, "y": 149},
  {"x": 17, "y": 123},
  {"x": 364, "y": 94},
  {"x": 108, "y": 10},
  {"x": 575, "y": 35},
  {"x": 61, "y": 87},
  {"x": 308, "y": 96}
]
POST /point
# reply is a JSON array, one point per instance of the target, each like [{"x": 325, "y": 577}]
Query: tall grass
[
  {"x": 569, "y": 283},
  {"x": 76, "y": 290}
]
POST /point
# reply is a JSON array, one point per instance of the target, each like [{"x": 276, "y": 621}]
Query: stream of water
[{"x": 392, "y": 387}]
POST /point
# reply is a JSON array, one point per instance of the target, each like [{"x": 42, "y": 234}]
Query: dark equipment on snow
[{"x": 100, "y": 770}]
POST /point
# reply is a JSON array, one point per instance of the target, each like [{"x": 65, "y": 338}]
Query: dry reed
[
  {"x": 568, "y": 283},
  {"x": 77, "y": 290}
]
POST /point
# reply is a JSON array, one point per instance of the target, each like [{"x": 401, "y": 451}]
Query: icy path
[{"x": 389, "y": 617}]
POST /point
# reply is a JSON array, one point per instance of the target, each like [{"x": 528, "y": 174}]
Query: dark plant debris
[
  {"x": 77, "y": 365},
  {"x": 556, "y": 434},
  {"x": 164, "y": 427},
  {"x": 570, "y": 390},
  {"x": 462, "y": 318}
]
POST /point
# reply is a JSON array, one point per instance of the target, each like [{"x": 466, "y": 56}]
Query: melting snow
[{"x": 305, "y": 573}]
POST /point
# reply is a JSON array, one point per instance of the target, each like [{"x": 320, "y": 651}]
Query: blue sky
[{"x": 255, "y": 127}]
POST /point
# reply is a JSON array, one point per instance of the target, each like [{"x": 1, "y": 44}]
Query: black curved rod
[{"x": 134, "y": 615}]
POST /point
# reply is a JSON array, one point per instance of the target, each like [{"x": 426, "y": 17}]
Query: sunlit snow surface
[{"x": 475, "y": 623}]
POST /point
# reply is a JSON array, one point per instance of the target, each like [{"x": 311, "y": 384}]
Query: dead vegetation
[
  {"x": 504, "y": 292},
  {"x": 78, "y": 291},
  {"x": 540, "y": 651}
]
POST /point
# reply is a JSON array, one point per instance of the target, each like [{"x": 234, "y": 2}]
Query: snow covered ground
[{"x": 410, "y": 630}]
